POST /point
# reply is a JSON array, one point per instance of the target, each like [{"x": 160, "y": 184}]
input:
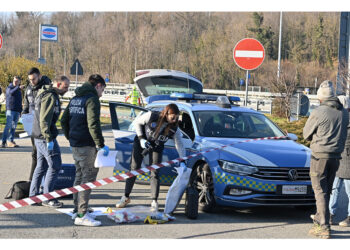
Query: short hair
[
  {"x": 96, "y": 79},
  {"x": 34, "y": 71},
  {"x": 17, "y": 77},
  {"x": 63, "y": 78}
]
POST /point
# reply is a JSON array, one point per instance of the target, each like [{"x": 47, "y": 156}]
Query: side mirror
[{"x": 292, "y": 136}]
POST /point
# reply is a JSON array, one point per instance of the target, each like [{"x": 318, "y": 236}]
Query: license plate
[{"x": 294, "y": 189}]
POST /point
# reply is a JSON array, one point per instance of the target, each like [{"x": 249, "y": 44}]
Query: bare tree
[{"x": 285, "y": 85}]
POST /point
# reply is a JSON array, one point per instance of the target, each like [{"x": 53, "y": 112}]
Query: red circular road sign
[
  {"x": 249, "y": 53},
  {"x": 0, "y": 41}
]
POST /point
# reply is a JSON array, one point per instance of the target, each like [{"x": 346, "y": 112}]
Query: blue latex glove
[
  {"x": 49, "y": 145},
  {"x": 105, "y": 150},
  {"x": 144, "y": 143}
]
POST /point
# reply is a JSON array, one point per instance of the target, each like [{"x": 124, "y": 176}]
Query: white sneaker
[
  {"x": 87, "y": 221},
  {"x": 123, "y": 202},
  {"x": 154, "y": 206},
  {"x": 91, "y": 215}
]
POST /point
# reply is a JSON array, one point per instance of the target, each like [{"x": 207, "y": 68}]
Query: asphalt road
[{"x": 226, "y": 223}]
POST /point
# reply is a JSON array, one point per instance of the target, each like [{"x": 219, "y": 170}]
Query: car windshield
[
  {"x": 166, "y": 85},
  {"x": 231, "y": 124}
]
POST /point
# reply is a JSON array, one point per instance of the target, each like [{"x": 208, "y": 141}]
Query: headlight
[{"x": 237, "y": 168}]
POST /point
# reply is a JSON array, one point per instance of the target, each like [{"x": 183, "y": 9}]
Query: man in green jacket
[
  {"x": 46, "y": 113},
  {"x": 326, "y": 128},
  {"x": 81, "y": 125}
]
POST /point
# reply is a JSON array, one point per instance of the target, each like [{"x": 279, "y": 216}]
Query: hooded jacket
[
  {"x": 13, "y": 98},
  {"x": 32, "y": 91},
  {"x": 47, "y": 112},
  {"x": 81, "y": 118},
  {"x": 326, "y": 128}
]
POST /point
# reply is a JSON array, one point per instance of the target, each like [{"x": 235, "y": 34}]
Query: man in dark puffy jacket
[
  {"x": 342, "y": 177},
  {"x": 326, "y": 128},
  {"x": 13, "y": 111},
  {"x": 36, "y": 82},
  {"x": 81, "y": 125},
  {"x": 46, "y": 114}
]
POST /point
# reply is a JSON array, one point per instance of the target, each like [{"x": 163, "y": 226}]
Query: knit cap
[{"x": 325, "y": 90}]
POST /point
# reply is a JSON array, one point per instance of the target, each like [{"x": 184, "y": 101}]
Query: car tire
[
  {"x": 191, "y": 203},
  {"x": 202, "y": 180}
]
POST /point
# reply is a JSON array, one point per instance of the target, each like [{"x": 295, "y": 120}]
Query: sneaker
[
  {"x": 86, "y": 220},
  {"x": 320, "y": 232},
  {"x": 331, "y": 218},
  {"x": 3, "y": 145},
  {"x": 154, "y": 206},
  {"x": 12, "y": 144},
  {"x": 123, "y": 202},
  {"x": 52, "y": 203},
  {"x": 89, "y": 211},
  {"x": 345, "y": 223}
]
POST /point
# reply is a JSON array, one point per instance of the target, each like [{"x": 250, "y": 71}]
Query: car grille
[
  {"x": 275, "y": 173},
  {"x": 283, "y": 200}
]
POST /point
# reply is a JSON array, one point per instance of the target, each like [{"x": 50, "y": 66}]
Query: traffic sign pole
[
  {"x": 76, "y": 74},
  {"x": 39, "y": 55},
  {"x": 248, "y": 54},
  {"x": 246, "y": 88}
]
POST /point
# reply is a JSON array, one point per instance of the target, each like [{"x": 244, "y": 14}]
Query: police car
[{"x": 248, "y": 173}]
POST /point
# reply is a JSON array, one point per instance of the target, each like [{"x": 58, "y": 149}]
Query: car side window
[{"x": 186, "y": 125}]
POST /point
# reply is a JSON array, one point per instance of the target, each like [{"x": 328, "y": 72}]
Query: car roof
[{"x": 201, "y": 106}]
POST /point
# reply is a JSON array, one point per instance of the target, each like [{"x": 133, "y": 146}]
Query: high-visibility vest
[{"x": 134, "y": 95}]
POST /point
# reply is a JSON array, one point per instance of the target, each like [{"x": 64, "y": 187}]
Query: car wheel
[
  {"x": 202, "y": 180},
  {"x": 191, "y": 203}
]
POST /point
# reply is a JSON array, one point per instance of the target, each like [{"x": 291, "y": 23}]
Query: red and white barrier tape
[{"x": 90, "y": 185}]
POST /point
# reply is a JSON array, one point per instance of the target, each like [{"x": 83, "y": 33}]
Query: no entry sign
[{"x": 249, "y": 53}]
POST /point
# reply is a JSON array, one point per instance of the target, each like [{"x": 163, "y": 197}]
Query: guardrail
[{"x": 260, "y": 101}]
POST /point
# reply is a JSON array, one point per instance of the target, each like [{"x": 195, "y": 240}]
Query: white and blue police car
[{"x": 246, "y": 174}]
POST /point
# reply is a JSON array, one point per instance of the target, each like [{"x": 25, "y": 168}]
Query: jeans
[
  {"x": 11, "y": 124},
  {"x": 84, "y": 158},
  {"x": 337, "y": 185},
  {"x": 132, "y": 113},
  {"x": 322, "y": 174},
  {"x": 155, "y": 157},
  {"x": 49, "y": 170}
]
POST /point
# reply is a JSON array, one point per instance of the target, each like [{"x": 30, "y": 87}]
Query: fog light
[{"x": 238, "y": 191}]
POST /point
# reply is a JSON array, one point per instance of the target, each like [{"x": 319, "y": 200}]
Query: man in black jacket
[
  {"x": 81, "y": 125},
  {"x": 36, "y": 82}
]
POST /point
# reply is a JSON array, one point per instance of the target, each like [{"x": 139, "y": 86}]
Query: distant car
[{"x": 255, "y": 173}]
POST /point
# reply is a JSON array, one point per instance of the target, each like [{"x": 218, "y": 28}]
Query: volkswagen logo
[{"x": 292, "y": 174}]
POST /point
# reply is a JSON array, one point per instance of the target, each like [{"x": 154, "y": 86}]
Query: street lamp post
[{"x": 279, "y": 48}]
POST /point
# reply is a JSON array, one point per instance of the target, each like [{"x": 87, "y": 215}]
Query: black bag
[{"x": 19, "y": 190}]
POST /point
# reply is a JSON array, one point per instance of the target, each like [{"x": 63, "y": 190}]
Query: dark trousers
[
  {"x": 34, "y": 160},
  {"x": 322, "y": 174},
  {"x": 136, "y": 161}
]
